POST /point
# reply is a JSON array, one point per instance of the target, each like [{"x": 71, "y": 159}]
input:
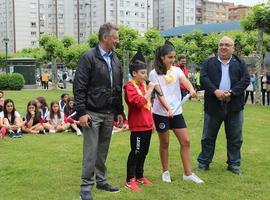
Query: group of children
[
  {"x": 162, "y": 110},
  {"x": 39, "y": 118}
]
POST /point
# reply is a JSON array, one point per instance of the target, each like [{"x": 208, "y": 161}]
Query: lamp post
[{"x": 6, "y": 40}]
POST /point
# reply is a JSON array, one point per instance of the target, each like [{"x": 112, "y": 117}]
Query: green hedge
[{"x": 13, "y": 81}]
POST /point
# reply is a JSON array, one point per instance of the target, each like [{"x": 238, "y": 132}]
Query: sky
[{"x": 246, "y": 2}]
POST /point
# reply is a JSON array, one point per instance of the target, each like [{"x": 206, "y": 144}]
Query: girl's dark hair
[
  {"x": 12, "y": 112},
  {"x": 42, "y": 101},
  {"x": 63, "y": 95},
  {"x": 51, "y": 110},
  {"x": 158, "y": 63},
  {"x": 68, "y": 110},
  {"x": 37, "y": 113}
]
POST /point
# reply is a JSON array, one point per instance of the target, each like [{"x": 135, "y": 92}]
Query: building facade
[
  {"x": 173, "y": 13},
  {"x": 23, "y": 22},
  {"x": 215, "y": 12},
  {"x": 238, "y": 12}
]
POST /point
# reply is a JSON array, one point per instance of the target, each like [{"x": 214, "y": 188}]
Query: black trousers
[
  {"x": 263, "y": 97},
  {"x": 251, "y": 95},
  {"x": 139, "y": 143}
]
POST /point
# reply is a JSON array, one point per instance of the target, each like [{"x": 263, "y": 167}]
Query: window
[
  {"x": 121, "y": 13},
  {"x": 33, "y": 43},
  {"x": 111, "y": 13},
  {"x": 33, "y": 24},
  {"x": 33, "y": 33},
  {"x": 33, "y": 5}
]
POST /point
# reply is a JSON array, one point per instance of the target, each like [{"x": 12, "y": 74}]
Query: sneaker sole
[{"x": 131, "y": 189}]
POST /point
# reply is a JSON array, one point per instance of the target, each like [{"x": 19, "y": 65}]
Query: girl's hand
[
  {"x": 170, "y": 113},
  {"x": 193, "y": 93}
]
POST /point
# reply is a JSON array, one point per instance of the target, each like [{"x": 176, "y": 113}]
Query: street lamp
[{"x": 6, "y": 40}]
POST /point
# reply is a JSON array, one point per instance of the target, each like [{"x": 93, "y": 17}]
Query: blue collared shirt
[
  {"x": 225, "y": 83},
  {"x": 107, "y": 57}
]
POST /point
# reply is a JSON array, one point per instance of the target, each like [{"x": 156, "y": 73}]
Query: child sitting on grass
[
  {"x": 33, "y": 119},
  {"x": 55, "y": 119},
  {"x": 10, "y": 120}
]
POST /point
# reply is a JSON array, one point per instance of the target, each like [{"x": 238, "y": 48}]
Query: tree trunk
[
  {"x": 54, "y": 74},
  {"x": 259, "y": 64}
]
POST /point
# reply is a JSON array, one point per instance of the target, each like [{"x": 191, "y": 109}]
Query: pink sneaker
[
  {"x": 144, "y": 181},
  {"x": 132, "y": 185}
]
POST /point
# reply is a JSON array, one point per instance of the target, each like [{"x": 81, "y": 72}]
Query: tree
[
  {"x": 68, "y": 41},
  {"x": 72, "y": 55},
  {"x": 258, "y": 19},
  {"x": 92, "y": 40},
  {"x": 54, "y": 50}
]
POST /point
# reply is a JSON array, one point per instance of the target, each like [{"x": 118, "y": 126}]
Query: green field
[{"x": 49, "y": 166}]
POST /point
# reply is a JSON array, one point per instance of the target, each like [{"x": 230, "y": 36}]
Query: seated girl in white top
[
  {"x": 10, "y": 120},
  {"x": 55, "y": 119}
]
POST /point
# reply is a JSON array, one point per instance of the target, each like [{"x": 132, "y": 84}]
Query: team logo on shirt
[{"x": 161, "y": 125}]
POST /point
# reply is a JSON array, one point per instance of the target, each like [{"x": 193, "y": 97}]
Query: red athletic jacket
[{"x": 139, "y": 117}]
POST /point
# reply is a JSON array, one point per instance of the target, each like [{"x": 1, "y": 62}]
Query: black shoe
[
  {"x": 202, "y": 167},
  {"x": 235, "y": 170},
  {"x": 107, "y": 187},
  {"x": 86, "y": 195}
]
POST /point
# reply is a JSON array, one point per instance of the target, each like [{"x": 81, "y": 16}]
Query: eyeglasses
[{"x": 225, "y": 45}]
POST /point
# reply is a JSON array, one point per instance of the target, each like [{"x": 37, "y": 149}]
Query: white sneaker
[
  {"x": 166, "y": 177},
  {"x": 79, "y": 133},
  {"x": 193, "y": 177}
]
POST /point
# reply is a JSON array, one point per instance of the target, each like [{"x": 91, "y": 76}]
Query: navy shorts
[{"x": 164, "y": 123}]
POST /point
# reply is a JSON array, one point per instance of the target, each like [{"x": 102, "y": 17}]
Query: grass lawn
[{"x": 49, "y": 166}]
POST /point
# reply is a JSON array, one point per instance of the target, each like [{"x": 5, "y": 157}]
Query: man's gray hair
[{"x": 105, "y": 30}]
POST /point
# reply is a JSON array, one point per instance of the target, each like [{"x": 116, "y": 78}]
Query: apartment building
[
  {"x": 173, "y": 13},
  {"x": 22, "y": 22},
  {"x": 237, "y": 12},
  {"x": 215, "y": 12}
]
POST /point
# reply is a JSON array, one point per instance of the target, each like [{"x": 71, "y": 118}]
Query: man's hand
[
  {"x": 120, "y": 120},
  {"x": 84, "y": 120},
  {"x": 220, "y": 94}
]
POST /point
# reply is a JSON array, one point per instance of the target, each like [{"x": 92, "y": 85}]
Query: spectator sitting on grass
[
  {"x": 55, "y": 119},
  {"x": 10, "y": 120},
  {"x": 33, "y": 121},
  {"x": 43, "y": 108},
  {"x": 71, "y": 116}
]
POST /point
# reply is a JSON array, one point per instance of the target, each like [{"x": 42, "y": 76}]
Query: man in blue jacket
[{"x": 224, "y": 79}]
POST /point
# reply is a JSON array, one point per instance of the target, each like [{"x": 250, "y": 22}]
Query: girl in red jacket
[{"x": 138, "y": 96}]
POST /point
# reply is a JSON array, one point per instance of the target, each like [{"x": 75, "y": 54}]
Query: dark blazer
[
  {"x": 210, "y": 79},
  {"x": 92, "y": 85}
]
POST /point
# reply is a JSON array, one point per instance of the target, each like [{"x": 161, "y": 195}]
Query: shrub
[
  {"x": 11, "y": 81},
  {"x": 4, "y": 81},
  {"x": 16, "y": 81}
]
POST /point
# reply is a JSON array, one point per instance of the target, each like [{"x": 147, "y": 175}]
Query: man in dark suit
[{"x": 224, "y": 79}]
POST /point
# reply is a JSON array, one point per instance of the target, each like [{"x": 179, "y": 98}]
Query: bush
[
  {"x": 11, "y": 81},
  {"x": 4, "y": 81},
  {"x": 16, "y": 81}
]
